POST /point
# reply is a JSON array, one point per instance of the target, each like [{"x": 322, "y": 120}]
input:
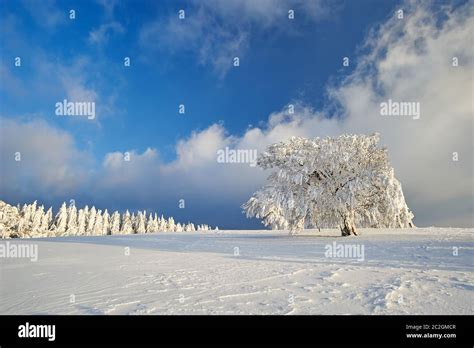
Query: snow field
[{"x": 404, "y": 271}]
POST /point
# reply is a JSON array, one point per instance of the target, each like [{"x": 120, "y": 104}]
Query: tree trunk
[
  {"x": 297, "y": 226},
  {"x": 348, "y": 228}
]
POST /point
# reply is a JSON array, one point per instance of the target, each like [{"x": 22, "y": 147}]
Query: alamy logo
[
  {"x": 237, "y": 156},
  {"x": 346, "y": 250},
  {"x": 69, "y": 108},
  {"x": 394, "y": 108},
  {"x": 19, "y": 250},
  {"x": 37, "y": 331}
]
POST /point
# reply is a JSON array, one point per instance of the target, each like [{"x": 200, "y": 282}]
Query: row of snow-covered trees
[{"x": 34, "y": 221}]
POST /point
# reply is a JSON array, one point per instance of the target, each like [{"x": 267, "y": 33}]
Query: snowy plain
[{"x": 404, "y": 271}]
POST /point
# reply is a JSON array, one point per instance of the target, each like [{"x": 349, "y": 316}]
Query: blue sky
[
  {"x": 148, "y": 93},
  {"x": 189, "y": 62}
]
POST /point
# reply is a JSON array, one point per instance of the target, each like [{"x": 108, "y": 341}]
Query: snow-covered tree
[
  {"x": 32, "y": 208},
  {"x": 46, "y": 222},
  {"x": 9, "y": 219},
  {"x": 23, "y": 227},
  {"x": 140, "y": 224},
  {"x": 189, "y": 227},
  {"x": 152, "y": 224},
  {"x": 115, "y": 223},
  {"x": 90, "y": 221},
  {"x": 345, "y": 181},
  {"x": 156, "y": 222},
  {"x": 106, "y": 223},
  {"x": 60, "y": 221},
  {"x": 127, "y": 227},
  {"x": 170, "y": 225},
  {"x": 203, "y": 227},
  {"x": 36, "y": 222},
  {"x": 98, "y": 224},
  {"x": 22, "y": 224},
  {"x": 72, "y": 228},
  {"x": 133, "y": 219},
  {"x": 81, "y": 222},
  {"x": 162, "y": 225}
]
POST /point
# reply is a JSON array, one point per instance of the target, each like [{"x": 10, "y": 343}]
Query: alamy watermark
[
  {"x": 228, "y": 155},
  {"x": 345, "y": 250},
  {"x": 395, "y": 108},
  {"x": 69, "y": 108},
  {"x": 28, "y": 330},
  {"x": 19, "y": 250}
]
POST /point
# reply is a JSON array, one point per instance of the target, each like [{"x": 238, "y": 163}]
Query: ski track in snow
[{"x": 409, "y": 271}]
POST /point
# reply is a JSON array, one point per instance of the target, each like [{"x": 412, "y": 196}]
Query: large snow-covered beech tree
[
  {"x": 344, "y": 182},
  {"x": 32, "y": 221}
]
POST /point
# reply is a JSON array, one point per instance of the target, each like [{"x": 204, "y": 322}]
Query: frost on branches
[
  {"x": 33, "y": 221},
  {"x": 327, "y": 182}
]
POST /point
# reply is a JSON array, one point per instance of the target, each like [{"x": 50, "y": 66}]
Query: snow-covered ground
[{"x": 413, "y": 271}]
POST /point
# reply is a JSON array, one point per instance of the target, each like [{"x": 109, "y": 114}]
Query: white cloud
[
  {"x": 411, "y": 60},
  {"x": 101, "y": 35},
  {"x": 200, "y": 148},
  {"x": 11, "y": 83},
  {"x": 45, "y": 13},
  {"x": 75, "y": 81},
  {"x": 109, "y": 7},
  {"x": 50, "y": 163}
]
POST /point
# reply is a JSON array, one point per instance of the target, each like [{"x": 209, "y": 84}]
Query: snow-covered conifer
[
  {"x": 98, "y": 224},
  {"x": 23, "y": 225},
  {"x": 156, "y": 223},
  {"x": 162, "y": 225},
  {"x": 46, "y": 222},
  {"x": 60, "y": 221},
  {"x": 81, "y": 222},
  {"x": 127, "y": 227},
  {"x": 72, "y": 228},
  {"x": 152, "y": 224},
  {"x": 106, "y": 223},
  {"x": 115, "y": 223},
  {"x": 90, "y": 221},
  {"x": 36, "y": 222},
  {"x": 140, "y": 224},
  {"x": 170, "y": 225},
  {"x": 134, "y": 221},
  {"x": 9, "y": 220}
]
